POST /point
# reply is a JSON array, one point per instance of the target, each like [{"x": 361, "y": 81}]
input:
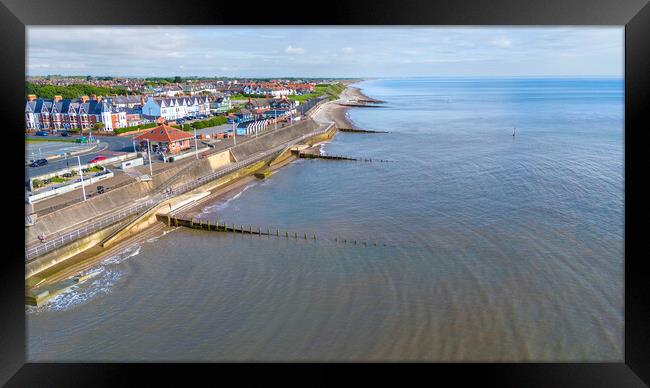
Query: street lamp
[
  {"x": 196, "y": 146},
  {"x": 81, "y": 174},
  {"x": 149, "y": 154}
]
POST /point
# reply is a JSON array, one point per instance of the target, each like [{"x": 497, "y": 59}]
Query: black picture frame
[{"x": 634, "y": 15}]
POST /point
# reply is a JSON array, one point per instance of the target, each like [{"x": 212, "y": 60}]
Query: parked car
[
  {"x": 67, "y": 175},
  {"x": 41, "y": 133},
  {"x": 100, "y": 189},
  {"x": 65, "y": 133},
  {"x": 98, "y": 159},
  {"x": 180, "y": 121},
  {"x": 39, "y": 162},
  {"x": 81, "y": 140}
]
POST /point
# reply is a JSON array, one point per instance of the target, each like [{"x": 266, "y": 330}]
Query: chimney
[
  {"x": 84, "y": 99},
  {"x": 31, "y": 97},
  {"x": 57, "y": 98}
]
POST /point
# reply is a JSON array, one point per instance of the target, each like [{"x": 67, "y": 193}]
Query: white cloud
[
  {"x": 294, "y": 50},
  {"x": 347, "y": 50},
  {"x": 501, "y": 42}
]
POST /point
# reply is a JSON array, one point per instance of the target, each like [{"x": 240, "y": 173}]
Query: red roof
[{"x": 164, "y": 134}]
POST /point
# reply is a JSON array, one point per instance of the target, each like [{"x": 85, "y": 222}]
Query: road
[{"x": 108, "y": 146}]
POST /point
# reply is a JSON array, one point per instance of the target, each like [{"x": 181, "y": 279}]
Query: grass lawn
[{"x": 31, "y": 140}]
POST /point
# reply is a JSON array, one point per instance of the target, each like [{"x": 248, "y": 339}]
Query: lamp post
[
  {"x": 196, "y": 145},
  {"x": 234, "y": 133},
  {"x": 81, "y": 174},
  {"x": 149, "y": 154}
]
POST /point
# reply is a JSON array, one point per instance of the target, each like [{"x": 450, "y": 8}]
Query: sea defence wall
[
  {"x": 65, "y": 252},
  {"x": 97, "y": 206}
]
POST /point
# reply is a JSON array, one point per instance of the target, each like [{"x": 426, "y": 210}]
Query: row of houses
[
  {"x": 264, "y": 109},
  {"x": 84, "y": 112},
  {"x": 115, "y": 111}
]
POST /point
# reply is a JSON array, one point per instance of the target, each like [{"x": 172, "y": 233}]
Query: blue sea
[{"x": 470, "y": 244}]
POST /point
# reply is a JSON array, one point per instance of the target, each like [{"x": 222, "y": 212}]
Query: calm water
[{"x": 488, "y": 247}]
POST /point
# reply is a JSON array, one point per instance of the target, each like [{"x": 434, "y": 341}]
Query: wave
[
  {"x": 106, "y": 275},
  {"x": 222, "y": 205},
  {"x": 154, "y": 238}
]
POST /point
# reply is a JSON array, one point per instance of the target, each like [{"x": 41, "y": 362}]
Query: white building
[{"x": 175, "y": 108}]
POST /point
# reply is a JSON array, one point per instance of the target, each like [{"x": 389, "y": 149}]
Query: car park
[{"x": 39, "y": 162}]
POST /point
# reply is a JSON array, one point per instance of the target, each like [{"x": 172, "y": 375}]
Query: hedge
[
  {"x": 133, "y": 128},
  {"x": 213, "y": 122}
]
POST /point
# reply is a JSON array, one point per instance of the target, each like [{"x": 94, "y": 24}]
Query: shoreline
[
  {"x": 333, "y": 112},
  {"x": 329, "y": 112}
]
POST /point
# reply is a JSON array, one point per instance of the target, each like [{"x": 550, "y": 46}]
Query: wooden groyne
[
  {"x": 307, "y": 155},
  {"x": 225, "y": 227},
  {"x": 359, "y": 105},
  {"x": 360, "y": 130},
  {"x": 314, "y": 153},
  {"x": 218, "y": 226},
  {"x": 371, "y": 100}
]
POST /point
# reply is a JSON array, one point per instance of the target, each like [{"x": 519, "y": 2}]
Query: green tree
[{"x": 99, "y": 126}]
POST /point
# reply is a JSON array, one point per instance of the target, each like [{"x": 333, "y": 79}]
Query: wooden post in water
[
  {"x": 295, "y": 234},
  {"x": 277, "y": 232},
  {"x": 314, "y": 236},
  {"x": 242, "y": 229},
  {"x": 287, "y": 234},
  {"x": 305, "y": 236},
  {"x": 250, "y": 229}
]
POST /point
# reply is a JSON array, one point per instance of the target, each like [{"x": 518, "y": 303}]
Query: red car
[{"x": 98, "y": 159}]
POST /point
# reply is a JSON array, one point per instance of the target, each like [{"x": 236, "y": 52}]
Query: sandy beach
[{"x": 333, "y": 112}]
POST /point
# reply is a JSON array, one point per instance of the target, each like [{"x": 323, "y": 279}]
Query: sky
[{"x": 353, "y": 52}]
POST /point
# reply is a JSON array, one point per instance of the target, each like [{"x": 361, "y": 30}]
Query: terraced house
[
  {"x": 175, "y": 108},
  {"x": 61, "y": 114}
]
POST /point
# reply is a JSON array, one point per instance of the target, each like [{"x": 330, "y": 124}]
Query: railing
[{"x": 88, "y": 229}]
